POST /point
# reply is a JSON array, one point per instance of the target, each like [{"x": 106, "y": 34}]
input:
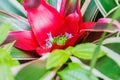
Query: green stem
[{"x": 97, "y": 50}]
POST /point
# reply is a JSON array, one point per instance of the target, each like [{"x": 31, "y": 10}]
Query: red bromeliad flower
[{"x": 51, "y": 29}]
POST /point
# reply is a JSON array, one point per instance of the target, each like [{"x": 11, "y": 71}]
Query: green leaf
[
  {"x": 109, "y": 68},
  {"x": 112, "y": 54},
  {"x": 22, "y": 55},
  {"x": 35, "y": 71},
  {"x": 90, "y": 12},
  {"x": 18, "y": 23},
  {"x": 110, "y": 65},
  {"x": 20, "y": 1},
  {"x": 12, "y": 6},
  {"x": 8, "y": 47},
  {"x": 103, "y": 5},
  {"x": 57, "y": 58},
  {"x": 53, "y": 3},
  {"x": 116, "y": 14},
  {"x": 4, "y": 28},
  {"x": 5, "y": 72},
  {"x": 112, "y": 40},
  {"x": 5, "y": 65},
  {"x": 75, "y": 72},
  {"x": 85, "y": 51},
  {"x": 97, "y": 50},
  {"x": 112, "y": 48}
]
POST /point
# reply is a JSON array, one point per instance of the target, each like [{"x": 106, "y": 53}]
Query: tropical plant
[{"x": 60, "y": 40}]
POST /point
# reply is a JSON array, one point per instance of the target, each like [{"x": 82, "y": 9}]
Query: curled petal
[
  {"x": 108, "y": 20},
  {"x": 102, "y": 26},
  {"x": 25, "y": 40},
  {"x": 87, "y": 25}
]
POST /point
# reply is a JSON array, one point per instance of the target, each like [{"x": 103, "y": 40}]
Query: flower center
[{"x": 59, "y": 40}]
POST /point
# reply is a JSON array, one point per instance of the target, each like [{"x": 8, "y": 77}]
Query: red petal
[
  {"x": 41, "y": 51},
  {"x": 86, "y": 25},
  {"x": 72, "y": 22},
  {"x": 44, "y": 19},
  {"x": 24, "y": 40}
]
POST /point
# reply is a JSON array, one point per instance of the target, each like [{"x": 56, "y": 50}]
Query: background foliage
[{"x": 98, "y": 60}]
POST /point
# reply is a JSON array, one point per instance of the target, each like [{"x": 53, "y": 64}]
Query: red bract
[{"x": 47, "y": 23}]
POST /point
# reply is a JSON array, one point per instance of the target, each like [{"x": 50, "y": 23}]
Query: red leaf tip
[{"x": 30, "y": 4}]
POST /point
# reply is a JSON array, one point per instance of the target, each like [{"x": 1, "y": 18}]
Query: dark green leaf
[
  {"x": 20, "y": 1},
  {"x": 85, "y": 51},
  {"x": 106, "y": 3},
  {"x": 4, "y": 28},
  {"x": 21, "y": 55},
  {"x": 91, "y": 11},
  {"x": 107, "y": 65},
  {"x": 75, "y": 72},
  {"x": 57, "y": 58},
  {"x": 109, "y": 68},
  {"x": 103, "y": 5},
  {"x": 115, "y": 11},
  {"x": 97, "y": 50},
  {"x": 114, "y": 46},
  {"x": 35, "y": 71}
]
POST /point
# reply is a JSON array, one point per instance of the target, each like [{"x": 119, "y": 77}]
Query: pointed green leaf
[
  {"x": 4, "y": 28},
  {"x": 17, "y": 23},
  {"x": 20, "y": 1},
  {"x": 12, "y": 6},
  {"x": 22, "y": 55},
  {"x": 8, "y": 47},
  {"x": 57, "y": 58},
  {"x": 75, "y": 72},
  {"x": 85, "y": 51},
  {"x": 6, "y": 63}
]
